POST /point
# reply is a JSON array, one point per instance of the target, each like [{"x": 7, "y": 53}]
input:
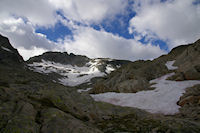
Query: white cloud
[
  {"x": 90, "y": 11},
  {"x": 18, "y": 21},
  {"x": 39, "y": 12},
  {"x": 27, "y": 53},
  {"x": 175, "y": 20},
  {"x": 23, "y": 37},
  {"x": 93, "y": 43},
  {"x": 22, "y": 34},
  {"x": 87, "y": 41},
  {"x": 43, "y": 12}
]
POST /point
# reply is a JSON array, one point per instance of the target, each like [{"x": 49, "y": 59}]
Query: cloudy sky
[{"x": 120, "y": 29}]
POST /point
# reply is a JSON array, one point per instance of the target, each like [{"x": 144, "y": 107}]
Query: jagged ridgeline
[
  {"x": 8, "y": 54},
  {"x": 32, "y": 102},
  {"x": 73, "y": 70}
]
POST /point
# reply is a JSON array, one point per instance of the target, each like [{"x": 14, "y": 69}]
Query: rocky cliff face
[
  {"x": 188, "y": 63},
  {"x": 31, "y": 103},
  {"x": 8, "y": 55}
]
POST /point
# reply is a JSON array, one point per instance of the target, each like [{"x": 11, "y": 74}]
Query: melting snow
[
  {"x": 118, "y": 66},
  {"x": 73, "y": 75},
  {"x": 81, "y": 90},
  {"x": 109, "y": 69},
  {"x": 6, "y": 49},
  {"x": 163, "y": 99},
  {"x": 170, "y": 66}
]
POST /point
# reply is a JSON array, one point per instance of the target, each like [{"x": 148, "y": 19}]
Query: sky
[{"x": 119, "y": 29}]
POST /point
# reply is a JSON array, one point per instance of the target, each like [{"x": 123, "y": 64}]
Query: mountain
[
  {"x": 30, "y": 102},
  {"x": 188, "y": 63},
  {"x": 136, "y": 75},
  {"x": 8, "y": 55},
  {"x": 169, "y": 84},
  {"x": 73, "y": 70}
]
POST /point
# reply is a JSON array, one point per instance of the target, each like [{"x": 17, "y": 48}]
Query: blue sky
[
  {"x": 117, "y": 26},
  {"x": 121, "y": 29},
  {"x": 59, "y": 31}
]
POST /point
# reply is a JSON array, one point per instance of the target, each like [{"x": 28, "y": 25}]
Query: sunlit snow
[
  {"x": 72, "y": 75},
  {"x": 109, "y": 69},
  {"x": 170, "y": 66},
  {"x": 163, "y": 99}
]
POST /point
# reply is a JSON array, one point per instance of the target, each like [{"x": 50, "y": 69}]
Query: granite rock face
[
  {"x": 8, "y": 54},
  {"x": 189, "y": 63},
  {"x": 190, "y": 103}
]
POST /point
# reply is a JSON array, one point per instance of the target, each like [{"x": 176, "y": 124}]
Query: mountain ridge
[
  {"x": 71, "y": 69},
  {"x": 8, "y": 54}
]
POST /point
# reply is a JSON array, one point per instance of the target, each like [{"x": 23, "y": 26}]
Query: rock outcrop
[
  {"x": 8, "y": 54},
  {"x": 188, "y": 63}
]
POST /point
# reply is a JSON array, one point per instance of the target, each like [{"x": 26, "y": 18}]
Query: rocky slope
[
  {"x": 73, "y": 70},
  {"x": 8, "y": 55},
  {"x": 135, "y": 76},
  {"x": 188, "y": 63},
  {"x": 31, "y": 103}
]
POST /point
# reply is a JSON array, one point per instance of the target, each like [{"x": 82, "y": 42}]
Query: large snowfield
[
  {"x": 72, "y": 75},
  {"x": 162, "y": 100}
]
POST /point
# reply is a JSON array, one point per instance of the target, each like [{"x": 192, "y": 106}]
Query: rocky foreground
[{"x": 31, "y": 102}]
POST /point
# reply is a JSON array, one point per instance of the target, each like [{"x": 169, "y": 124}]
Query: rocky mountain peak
[
  {"x": 62, "y": 58},
  {"x": 8, "y": 54},
  {"x": 71, "y": 69}
]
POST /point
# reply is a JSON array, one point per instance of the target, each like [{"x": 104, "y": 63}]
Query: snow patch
[
  {"x": 162, "y": 100},
  {"x": 81, "y": 90},
  {"x": 6, "y": 49},
  {"x": 72, "y": 75},
  {"x": 118, "y": 66},
  {"x": 170, "y": 66},
  {"x": 109, "y": 69}
]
